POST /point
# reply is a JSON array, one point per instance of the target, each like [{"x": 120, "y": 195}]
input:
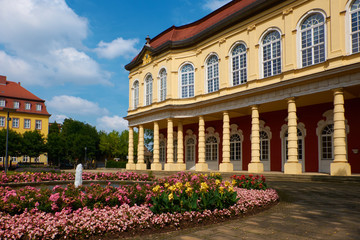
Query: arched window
[
  {"x": 187, "y": 81},
  {"x": 211, "y": 150},
  {"x": 235, "y": 147},
  {"x": 212, "y": 65},
  {"x": 271, "y": 53},
  {"x": 136, "y": 94},
  {"x": 312, "y": 38},
  {"x": 148, "y": 90},
  {"x": 327, "y": 148},
  {"x": 264, "y": 146},
  {"x": 162, "y": 84},
  {"x": 355, "y": 26},
  {"x": 190, "y": 150},
  {"x": 175, "y": 148},
  {"x": 238, "y": 65},
  {"x": 162, "y": 151},
  {"x": 300, "y": 144}
]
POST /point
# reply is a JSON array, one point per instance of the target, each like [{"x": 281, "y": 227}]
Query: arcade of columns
[{"x": 339, "y": 166}]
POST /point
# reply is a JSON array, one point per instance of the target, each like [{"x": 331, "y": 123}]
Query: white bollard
[{"x": 78, "y": 175}]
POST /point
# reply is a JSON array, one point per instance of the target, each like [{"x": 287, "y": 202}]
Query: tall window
[
  {"x": 300, "y": 144},
  {"x": 38, "y": 107},
  {"x": 235, "y": 147},
  {"x": 271, "y": 50},
  {"x": 238, "y": 68},
  {"x": 16, "y": 104},
  {"x": 312, "y": 32},
  {"x": 2, "y": 103},
  {"x": 15, "y": 123},
  {"x": 355, "y": 26},
  {"x": 148, "y": 90},
  {"x": 38, "y": 124},
  {"x": 264, "y": 146},
  {"x": 190, "y": 150},
  {"x": 27, "y": 106},
  {"x": 187, "y": 81},
  {"x": 27, "y": 123},
  {"x": 175, "y": 148},
  {"x": 162, "y": 85},
  {"x": 327, "y": 148},
  {"x": 2, "y": 121},
  {"x": 136, "y": 94},
  {"x": 211, "y": 150},
  {"x": 162, "y": 151},
  {"x": 212, "y": 74}
]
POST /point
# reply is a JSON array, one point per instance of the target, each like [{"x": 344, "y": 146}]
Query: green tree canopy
[
  {"x": 33, "y": 144},
  {"x": 14, "y": 143}
]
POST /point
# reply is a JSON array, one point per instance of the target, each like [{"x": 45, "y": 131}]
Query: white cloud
[
  {"x": 44, "y": 39},
  {"x": 116, "y": 48},
  {"x": 58, "y": 118},
  {"x": 75, "y": 105},
  {"x": 108, "y": 124},
  {"x": 215, "y": 4}
]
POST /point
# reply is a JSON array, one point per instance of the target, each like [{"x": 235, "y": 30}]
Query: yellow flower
[
  {"x": 217, "y": 182},
  {"x": 221, "y": 189},
  {"x": 204, "y": 187},
  {"x": 171, "y": 196},
  {"x": 189, "y": 191},
  {"x": 227, "y": 183},
  {"x": 179, "y": 185},
  {"x": 166, "y": 185},
  {"x": 172, "y": 188},
  {"x": 233, "y": 182},
  {"x": 187, "y": 184},
  {"x": 231, "y": 189},
  {"x": 156, "y": 189},
  {"x": 212, "y": 174}
]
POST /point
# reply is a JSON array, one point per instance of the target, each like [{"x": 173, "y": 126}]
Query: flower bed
[
  {"x": 42, "y": 177},
  {"x": 95, "y": 210}
]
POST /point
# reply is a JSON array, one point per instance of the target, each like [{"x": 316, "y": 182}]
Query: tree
[
  {"x": 33, "y": 144},
  {"x": 14, "y": 144},
  {"x": 149, "y": 139},
  {"x": 110, "y": 144},
  {"x": 55, "y": 145}
]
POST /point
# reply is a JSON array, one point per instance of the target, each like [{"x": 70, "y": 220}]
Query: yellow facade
[{"x": 296, "y": 85}]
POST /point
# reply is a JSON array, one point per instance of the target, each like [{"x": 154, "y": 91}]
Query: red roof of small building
[{"x": 13, "y": 92}]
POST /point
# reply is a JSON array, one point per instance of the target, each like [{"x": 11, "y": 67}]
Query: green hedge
[{"x": 115, "y": 164}]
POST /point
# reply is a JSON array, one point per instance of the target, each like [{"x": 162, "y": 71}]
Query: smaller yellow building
[{"x": 30, "y": 114}]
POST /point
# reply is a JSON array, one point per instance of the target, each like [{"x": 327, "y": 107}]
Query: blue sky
[{"x": 72, "y": 53}]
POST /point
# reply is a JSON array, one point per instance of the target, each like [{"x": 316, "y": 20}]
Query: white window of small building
[
  {"x": 211, "y": 149},
  {"x": 264, "y": 146},
  {"x": 38, "y": 124},
  {"x": 162, "y": 151},
  {"x": 235, "y": 147},
  {"x": 2, "y": 102},
  {"x": 300, "y": 141},
  {"x": 27, "y": 106},
  {"x": 16, "y": 104},
  {"x": 148, "y": 90},
  {"x": 136, "y": 94},
  {"x": 355, "y": 26},
  {"x": 190, "y": 150},
  {"x": 38, "y": 107},
  {"x": 271, "y": 53},
  {"x": 27, "y": 123},
  {"x": 187, "y": 81},
  {"x": 2, "y": 121},
  {"x": 327, "y": 147},
  {"x": 212, "y": 67},
  {"x": 15, "y": 122},
  {"x": 312, "y": 39},
  {"x": 238, "y": 65},
  {"x": 26, "y": 159},
  {"x": 162, "y": 84}
]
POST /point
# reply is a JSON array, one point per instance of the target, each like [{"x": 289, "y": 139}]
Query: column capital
[
  {"x": 291, "y": 99},
  {"x": 254, "y": 106},
  {"x": 338, "y": 90}
]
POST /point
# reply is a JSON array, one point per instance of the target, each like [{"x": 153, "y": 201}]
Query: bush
[
  {"x": 115, "y": 164},
  {"x": 249, "y": 182}
]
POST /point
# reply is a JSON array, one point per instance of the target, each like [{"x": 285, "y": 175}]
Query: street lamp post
[
  {"x": 85, "y": 163},
  {"x": 8, "y": 119}
]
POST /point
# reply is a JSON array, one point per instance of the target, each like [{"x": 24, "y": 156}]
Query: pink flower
[{"x": 54, "y": 197}]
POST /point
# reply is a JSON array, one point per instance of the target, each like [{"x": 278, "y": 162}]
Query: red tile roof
[{"x": 13, "y": 92}]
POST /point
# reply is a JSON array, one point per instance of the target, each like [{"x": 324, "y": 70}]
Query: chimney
[
  {"x": 2, "y": 80},
  {"x": 19, "y": 83}
]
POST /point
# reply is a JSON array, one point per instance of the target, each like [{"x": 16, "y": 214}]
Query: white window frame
[
  {"x": 299, "y": 39},
  {"x": 175, "y": 148},
  {"x": 348, "y": 27},
  {"x": 38, "y": 124},
  {"x": 27, "y": 106},
  {"x": 148, "y": 89},
  {"x": 38, "y": 107},
  {"x": 162, "y": 149},
  {"x": 2, "y": 103},
  {"x": 16, "y": 104},
  {"x": 190, "y": 163},
  {"x": 135, "y": 94},
  {"x": 239, "y": 56},
  {"x": 213, "y": 163},
  {"x": 261, "y": 55},
  {"x": 15, "y": 122},
  {"x": 26, "y": 126},
  {"x": 180, "y": 80},
  {"x": 214, "y": 78},
  {"x": 162, "y": 83},
  {"x": 2, "y": 121}
]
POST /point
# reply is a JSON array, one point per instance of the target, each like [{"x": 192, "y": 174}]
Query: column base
[
  {"x": 130, "y": 166},
  {"x": 201, "y": 167},
  {"x": 226, "y": 167},
  {"x": 141, "y": 166},
  {"x": 292, "y": 168},
  {"x": 257, "y": 167},
  {"x": 170, "y": 167},
  {"x": 156, "y": 166},
  {"x": 340, "y": 169},
  {"x": 181, "y": 166}
]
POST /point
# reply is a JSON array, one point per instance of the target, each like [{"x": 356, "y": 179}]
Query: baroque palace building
[
  {"x": 30, "y": 114},
  {"x": 257, "y": 85}
]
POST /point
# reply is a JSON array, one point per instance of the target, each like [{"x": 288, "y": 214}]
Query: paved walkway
[{"x": 308, "y": 210}]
